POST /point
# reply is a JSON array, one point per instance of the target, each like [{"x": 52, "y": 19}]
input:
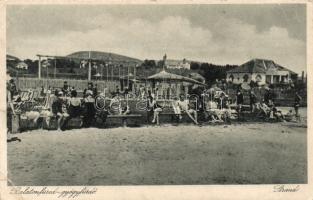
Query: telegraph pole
[
  {"x": 39, "y": 67},
  {"x": 107, "y": 68},
  {"x": 89, "y": 67},
  {"x": 55, "y": 67}
]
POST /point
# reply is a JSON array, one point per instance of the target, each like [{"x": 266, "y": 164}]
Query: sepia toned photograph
[{"x": 155, "y": 95}]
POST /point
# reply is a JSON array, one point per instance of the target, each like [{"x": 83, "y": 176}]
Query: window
[{"x": 276, "y": 79}]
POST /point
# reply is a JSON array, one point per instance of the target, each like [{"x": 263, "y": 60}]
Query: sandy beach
[{"x": 250, "y": 153}]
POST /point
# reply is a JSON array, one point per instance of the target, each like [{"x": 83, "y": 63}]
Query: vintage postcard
[{"x": 156, "y": 99}]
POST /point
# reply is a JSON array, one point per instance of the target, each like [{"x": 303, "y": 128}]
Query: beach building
[
  {"x": 170, "y": 85},
  {"x": 261, "y": 71}
]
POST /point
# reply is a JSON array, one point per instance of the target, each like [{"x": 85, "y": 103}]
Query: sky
[{"x": 219, "y": 34}]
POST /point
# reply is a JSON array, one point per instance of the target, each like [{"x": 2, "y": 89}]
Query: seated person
[
  {"x": 89, "y": 109},
  {"x": 114, "y": 105},
  {"x": 222, "y": 100},
  {"x": 154, "y": 107},
  {"x": 278, "y": 114},
  {"x": 176, "y": 108},
  {"x": 227, "y": 112},
  {"x": 213, "y": 112},
  {"x": 58, "y": 110},
  {"x": 124, "y": 109},
  {"x": 182, "y": 105},
  {"x": 264, "y": 109},
  {"x": 74, "y": 105}
]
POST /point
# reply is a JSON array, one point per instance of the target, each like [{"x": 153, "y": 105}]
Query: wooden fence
[{"x": 24, "y": 83}]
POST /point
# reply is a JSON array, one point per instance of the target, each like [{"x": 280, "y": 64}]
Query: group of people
[
  {"x": 265, "y": 107},
  {"x": 64, "y": 105},
  {"x": 180, "y": 106},
  {"x": 65, "y": 108}
]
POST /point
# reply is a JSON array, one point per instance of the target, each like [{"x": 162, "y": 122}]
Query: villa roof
[{"x": 258, "y": 66}]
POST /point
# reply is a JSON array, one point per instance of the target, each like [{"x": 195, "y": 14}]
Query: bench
[
  {"x": 125, "y": 117},
  {"x": 174, "y": 117}
]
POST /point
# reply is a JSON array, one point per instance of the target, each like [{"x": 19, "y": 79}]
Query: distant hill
[
  {"x": 105, "y": 56},
  {"x": 12, "y": 58}
]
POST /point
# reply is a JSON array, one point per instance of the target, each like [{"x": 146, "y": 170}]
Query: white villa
[
  {"x": 261, "y": 71},
  {"x": 177, "y": 64}
]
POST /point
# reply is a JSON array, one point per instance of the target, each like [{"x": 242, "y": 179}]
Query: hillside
[
  {"x": 12, "y": 58},
  {"x": 104, "y": 56}
]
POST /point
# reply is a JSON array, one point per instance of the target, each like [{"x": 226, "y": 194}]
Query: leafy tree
[
  {"x": 194, "y": 66},
  {"x": 148, "y": 64},
  {"x": 160, "y": 64}
]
